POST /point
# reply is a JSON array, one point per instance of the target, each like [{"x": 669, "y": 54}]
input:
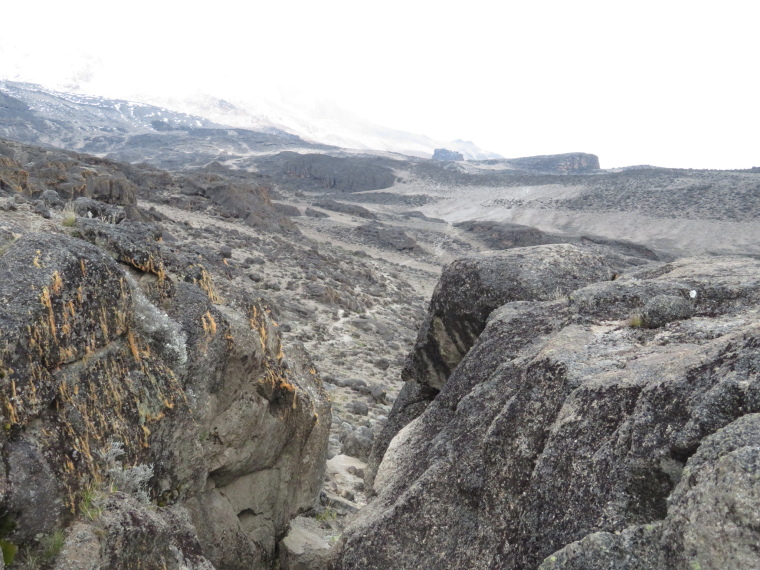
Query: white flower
[{"x": 692, "y": 294}]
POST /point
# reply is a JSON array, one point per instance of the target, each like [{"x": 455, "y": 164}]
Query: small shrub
[
  {"x": 327, "y": 515},
  {"x": 69, "y": 215},
  {"x": 164, "y": 335},
  {"x": 6, "y": 246},
  {"x": 89, "y": 505},
  {"x": 559, "y": 295},
  {"x": 52, "y": 544},
  {"x": 636, "y": 320},
  {"x": 9, "y": 551},
  {"x": 131, "y": 480},
  {"x": 30, "y": 557}
]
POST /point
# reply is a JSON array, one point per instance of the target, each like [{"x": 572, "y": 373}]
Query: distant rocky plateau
[{"x": 222, "y": 348}]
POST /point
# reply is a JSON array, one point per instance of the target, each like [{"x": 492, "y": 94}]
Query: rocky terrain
[
  {"x": 613, "y": 425},
  {"x": 212, "y": 237},
  {"x": 223, "y": 348}
]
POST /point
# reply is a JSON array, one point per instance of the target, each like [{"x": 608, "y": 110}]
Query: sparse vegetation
[
  {"x": 52, "y": 544},
  {"x": 6, "y": 246},
  {"x": 327, "y": 515},
  {"x": 131, "y": 480},
  {"x": 560, "y": 295},
  {"x": 9, "y": 551},
  {"x": 89, "y": 504},
  {"x": 30, "y": 557},
  {"x": 69, "y": 218},
  {"x": 35, "y": 556},
  {"x": 636, "y": 320},
  {"x": 166, "y": 336}
]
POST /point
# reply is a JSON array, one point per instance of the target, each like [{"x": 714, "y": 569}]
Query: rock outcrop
[
  {"x": 337, "y": 173},
  {"x": 468, "y": 291},
  {"x": 351, "y": 209},
  {"x": 30, "y": 171},
  {"x": 386, "y": 237},
  {"x": 560, "y": 163},
  {"x": 504, "y": 235},
  {"x": 569, "y": 435},
  {"x": 120, "y": 361},
  {"x": 446, "y": 154}
]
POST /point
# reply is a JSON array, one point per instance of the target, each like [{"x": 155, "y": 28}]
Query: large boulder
[
  {"x": 720, "y": 478},
  {"x": 567, "y": 421},
  {"x": 119, "y": 344},
  {"x": 468, "y": 291},
  {"x": 470, "y": 288}
]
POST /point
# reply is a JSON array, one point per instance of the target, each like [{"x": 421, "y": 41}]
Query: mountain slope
[{"x": 129, "y": 131}]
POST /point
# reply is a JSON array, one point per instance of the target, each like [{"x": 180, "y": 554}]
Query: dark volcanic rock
[
  {"x": 663, "y": 309},
  {"x": 471, "y": 288},
  {"x": 33, "y": 171},
  {"x": 566, "y": 429},
  {"x": 468, "y": 291},
  {"x": 445, "y": 154},
  {"x": 387, "y": 237},
  {"x": 351, "y": 209},
  {"x": 89, "y": 208},
  {"x": 720, "y": 478},
  {"x": 312, "y": 213},
  {"x": 504, "y": 235},
  {"x": 246, "y": 199},
  {"x": 287, "y": 209},
  {"x": 353, "y": 174},
  {"x": 570, "y": 162},
  {"x": 421, "y": 216}
]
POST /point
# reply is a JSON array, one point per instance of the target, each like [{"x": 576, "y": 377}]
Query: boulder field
[{"x": 559, "y": 414}]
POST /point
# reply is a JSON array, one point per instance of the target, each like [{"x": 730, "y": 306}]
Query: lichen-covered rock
[
  {"x": 663, "y": 309},
  {"x": 563, "y": 423},
  {"x": 130, "y": 534},
  {"x": 468, "y": 291},
  {"x": 470, "y": 288},
  {"x": 89, "y": 208},
  {"x": 141, "y": 351},
  {"x": 304, "y": 549},
  {"x": 712, "y": 515}
]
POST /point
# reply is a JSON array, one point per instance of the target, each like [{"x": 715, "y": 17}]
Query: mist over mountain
[{"x": 316, "y": 123}]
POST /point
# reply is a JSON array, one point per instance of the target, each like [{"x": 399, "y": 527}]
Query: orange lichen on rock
[
  {"x": 207, "y": 286},
  {"x": 48, "y": 304},
  {"x": 57, "y": 283},
  {"x": 209, "y": 324},
  {"x": 36, "y": 261},
  {"x": 133, "y": 345}
]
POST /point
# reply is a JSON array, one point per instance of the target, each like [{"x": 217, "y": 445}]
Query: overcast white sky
[{"x": 670, "y": 83}]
